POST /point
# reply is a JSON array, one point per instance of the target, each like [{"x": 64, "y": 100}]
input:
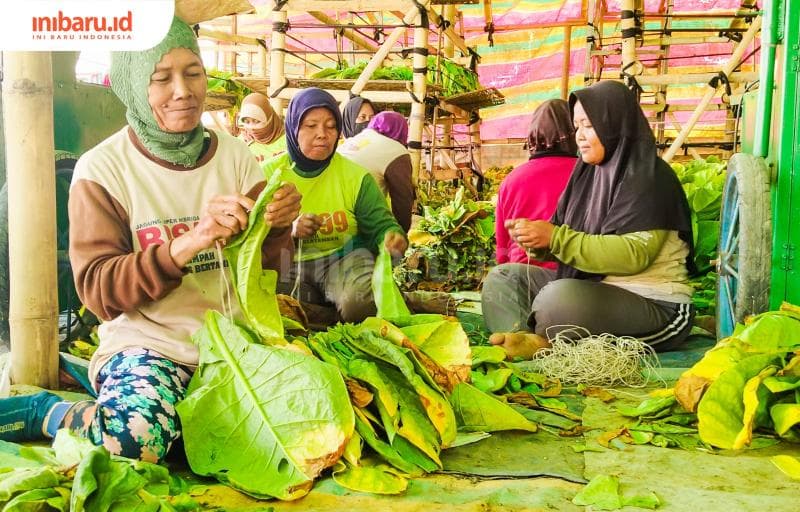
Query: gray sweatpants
[
  {"x": 518, "y": 297},
  {"x": 345, "y": 282}
]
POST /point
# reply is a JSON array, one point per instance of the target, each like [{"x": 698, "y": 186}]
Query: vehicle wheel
[
  {"x": 64, "y": 164},
  {"x": 745, "y": 243}
]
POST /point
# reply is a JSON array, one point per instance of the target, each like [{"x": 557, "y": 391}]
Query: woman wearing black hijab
[
  {"x": 621, "y": 234},
  {"x": 356, "y": 116}
]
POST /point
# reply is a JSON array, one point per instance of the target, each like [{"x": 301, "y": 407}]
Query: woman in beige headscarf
[{"x": 261, "y": 127}]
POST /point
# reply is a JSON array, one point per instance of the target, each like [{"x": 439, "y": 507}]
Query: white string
[
  {"x": 294, "y": 293},
  {"x": 225, "y": 286},
  {"x": 578, "y": 357}
]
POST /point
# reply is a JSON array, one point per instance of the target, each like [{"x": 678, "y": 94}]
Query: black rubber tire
[
  {"x": 64, "y": 164},
  {"x": 748, "y": 179}
]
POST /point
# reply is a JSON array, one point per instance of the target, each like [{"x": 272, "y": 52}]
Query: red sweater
[{"x": 531, "y": 191}]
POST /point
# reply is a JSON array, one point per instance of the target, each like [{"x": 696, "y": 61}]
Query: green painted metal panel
[
  {"x": 749, "y": 106},
  {"x": 785, "y": 279}
]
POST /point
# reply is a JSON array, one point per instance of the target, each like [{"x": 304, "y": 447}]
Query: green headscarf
[{"x": 130, "y": 79}]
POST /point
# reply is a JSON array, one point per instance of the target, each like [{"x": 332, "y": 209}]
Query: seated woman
[
  {"x": 261, "y": 127},
  {"x": 344, "y": 214},
  {"x": 622, "y": 237},
  {"x": 531, "y": 191},
  {"x": 147, "y": 207},
  {"x": 356, "y": 116},
  {"x": 381, "y": 149}
]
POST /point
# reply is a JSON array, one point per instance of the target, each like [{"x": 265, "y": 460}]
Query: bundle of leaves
[
  {"x": 493, "y": 177},
  {"x": 222, "y": 82},
  {"x": 77, "y": 476},
  {"x": 531, "y": 395},
  {"x": 438, "y": 193},
  {"x": 453, "y": 78},
  {"x": 452, "y": 247},
  {"x": 261, "y": 415},
  {"x": 748, "y": 383}
]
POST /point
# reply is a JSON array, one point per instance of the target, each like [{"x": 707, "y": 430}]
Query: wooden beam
[
  {"x": 693, "y": 78},
  {"x": 348, "y": 5},
  {"x": 450, "y": 32},
  {"x": 277, "y": 61},
  {"x": 377, "y": 59},
  {"x": 565, "y": 63},
  {"x": 33, "y": 292},
  {"x": 219, "y": 35},
  {"x": 357, "y": 39}
]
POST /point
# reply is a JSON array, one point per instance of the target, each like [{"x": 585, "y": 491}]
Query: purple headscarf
[
  {"x": 392, "y": 125},
  {"x": 302, "y": 102}
]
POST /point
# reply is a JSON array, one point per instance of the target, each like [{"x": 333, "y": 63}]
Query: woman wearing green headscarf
[{"x": 147, "y": 208}]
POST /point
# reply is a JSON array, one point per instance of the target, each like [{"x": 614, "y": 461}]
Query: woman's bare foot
[{"x": 519, "y": 344}]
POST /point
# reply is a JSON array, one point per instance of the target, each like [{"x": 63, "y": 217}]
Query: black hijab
[
  {"x": 551, "y": 132},
  {"x": 350, "y": 127},
  {"x": 632, "y": 189}
]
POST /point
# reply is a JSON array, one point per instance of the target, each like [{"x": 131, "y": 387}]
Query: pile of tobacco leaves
[
  {"x": 451, "y": 248},
  {"x": 703, "y": 182},
  {"x": 77, "y": 476},
  {"x": 452, "y": 77},
  {"x": 744, "y": 393}
]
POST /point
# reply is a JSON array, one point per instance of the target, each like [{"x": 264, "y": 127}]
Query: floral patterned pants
[{"x": 134, "y": 414}]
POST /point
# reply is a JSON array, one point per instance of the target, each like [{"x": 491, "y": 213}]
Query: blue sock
[{"x": 22, "y": 418}]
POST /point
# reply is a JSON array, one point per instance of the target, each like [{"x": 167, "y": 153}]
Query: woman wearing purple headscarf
[
  {"x": 381, "y": 149},
  {"x": 344, "y": 216},
  {"x": 621, "y": 234}
]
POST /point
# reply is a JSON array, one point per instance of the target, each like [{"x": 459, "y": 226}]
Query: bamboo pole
[
  {"x": 383, "y": 51},
  {"x": 262, "y": 55},
  {"x": 565, "y": 65},
  {"x": 357, "y": 39},
  {"x": 689, "y": 78},
  {"x": 628, "y": 24},
  {"x": 420, "y": 62},
  {"x": 449, "y": 13},
  {"x": 450, "y": 32},
  {"x": 712, "y": 91},
  {"x": 677, "y": 125},
  {"x": 33, "y": 292},
  {"x": 277, "y": 61},
  {"x": 234, "y": 54},
  {"x": 219, "y": 35}
]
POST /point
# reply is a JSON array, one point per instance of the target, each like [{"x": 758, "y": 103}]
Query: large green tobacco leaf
[
  {"x": 255, "y": 287},
  {"x": 445, "y": 342},
  {"x": 262, "y": 419},
  {"x": 388, "y": 298},
  {"x": 772, "y": 331},
  {"x": 389, "y": 453},
  {"x": 478, "y": 412},
  {"x": 436, "y": 406},
  {"x": 785, "y": 417},
  {"x": 377, "y": 479},
  {"x": 721, "y": 412}
]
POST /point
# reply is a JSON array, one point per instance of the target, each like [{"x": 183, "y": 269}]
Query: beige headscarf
[{"x": 270, "y": 127}]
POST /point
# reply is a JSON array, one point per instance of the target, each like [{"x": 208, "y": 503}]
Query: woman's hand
[
  {"x": 530, "y": 234},
  {"x": 306, "y": 226},
  {"x": 224, "y": 217},
  {"x": 395, "y": 243},
  {"x": 284, "y": 208}
]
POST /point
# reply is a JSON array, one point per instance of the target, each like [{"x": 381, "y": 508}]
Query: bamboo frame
[
  {"x": 729, "y": 66},
  {"x": 377, "y": 59},
  {"x": 33, "y": 292},
  {"x": 277, "y": 61},
  {"x": 417, "y": 118}
]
